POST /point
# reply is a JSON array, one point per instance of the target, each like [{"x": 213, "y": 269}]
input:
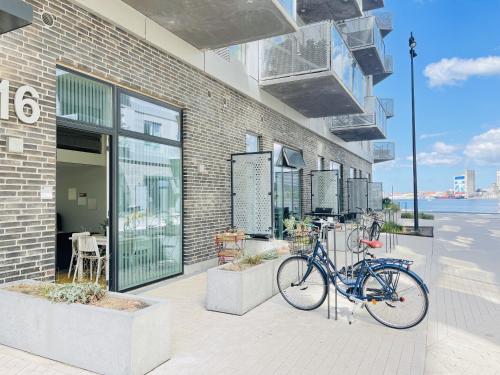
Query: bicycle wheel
[
  {"x": 303, "y": 294},
  {"x": 405, "y": 308},
  {"x": 375, "y": 232},
  {"x": 353, "y": 239}
]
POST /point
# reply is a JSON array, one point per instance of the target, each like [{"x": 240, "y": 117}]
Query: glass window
[
  {"x": 149, "y": 212},
  {"x": 352, "y": 172},
  {"x": 84, "y": 100},
  {"x": 252, "y": 143},
  {"x": 320, "y": 163},
  {"x": 334, "y": 166},
  {"x": 145, "y": 117}
]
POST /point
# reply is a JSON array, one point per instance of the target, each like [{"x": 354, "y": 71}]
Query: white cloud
[
  {"x": 432, "y": 135},
  {"x": 455, "y": 70},
  {"x": 436, "y": 159},
  {"x": 485, "y": 148},
  {"x": 444, "y": 149}
]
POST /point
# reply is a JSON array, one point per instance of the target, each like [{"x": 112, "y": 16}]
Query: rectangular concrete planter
[
  {"x": 93, "y": 338},
  {"x": 237, "y": 292}
]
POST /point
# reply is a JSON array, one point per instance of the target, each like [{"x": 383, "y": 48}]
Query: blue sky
[{"x": 457, "y": 77}]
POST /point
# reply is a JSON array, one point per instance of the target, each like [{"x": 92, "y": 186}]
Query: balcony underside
[
  {"x": 313, "y": 94},
  {"x": 311, "y": 11},
  {"x": 218, "y": 23},
  {"x": 382, "y": 160},
  {"x": 380, "y": 77},
  {"x": 358, "y": 133},
  {"x": 14, "y": 14},
  {"x": 369, "y": 60},
  {"x": 372, "y": 4},
  {"x": 385, "y": 31}
]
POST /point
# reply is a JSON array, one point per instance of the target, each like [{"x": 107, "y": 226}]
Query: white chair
[
  {"x": 88, "y": 250},
  {"x": 74, "y": 250}
]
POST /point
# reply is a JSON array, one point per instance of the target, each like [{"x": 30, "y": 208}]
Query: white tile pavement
[{"x": 460, "y": 336}]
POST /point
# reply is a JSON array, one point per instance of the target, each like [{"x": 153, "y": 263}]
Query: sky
[{"x": 457, "y": 83}]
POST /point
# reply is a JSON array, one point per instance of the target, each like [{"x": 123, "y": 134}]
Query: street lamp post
[{"x": 412, "y": 43}]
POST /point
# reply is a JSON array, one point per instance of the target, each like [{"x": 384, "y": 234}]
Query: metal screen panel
[
  {"x": 324, "y": 191},
  {"x": 357, "y": 194},
  {"x": 251, "y": 187},
  {"x": 375, "y": 196}
]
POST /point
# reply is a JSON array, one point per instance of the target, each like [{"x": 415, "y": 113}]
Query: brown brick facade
[{"x": 216, "y": 119}]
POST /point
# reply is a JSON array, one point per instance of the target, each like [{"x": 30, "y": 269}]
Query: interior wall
[{"x": 86, "y": 179}]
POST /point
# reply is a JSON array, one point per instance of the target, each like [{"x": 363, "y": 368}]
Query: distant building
[
  {"x": 470, "y": 182},
  {"x": 498, "y": 181},
  {"x": 459, "y": 186}
]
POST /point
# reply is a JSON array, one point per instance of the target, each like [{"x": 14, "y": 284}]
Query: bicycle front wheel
[
  {"x": 302, "y": 285},
  {"x": 404, "y": 308},
  {"x": 353, "y": 239}
]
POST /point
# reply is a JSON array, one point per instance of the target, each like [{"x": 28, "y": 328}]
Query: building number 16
[{"x": 20, "y": 102}]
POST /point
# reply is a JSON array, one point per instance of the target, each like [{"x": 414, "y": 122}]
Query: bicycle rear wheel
[
  {"x": 405, "y": 308},
  {"x": 302, "y": 285}
]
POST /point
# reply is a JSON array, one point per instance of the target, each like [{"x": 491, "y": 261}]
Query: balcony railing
[
  {"x": 367, "y": 126},
  {"x": 388, "y": 70},
  {"x": 384, "y": 22},
  {"x": 383, "y": 151},
  {"x": 366, "y": 43},
  {"x": 388, "y": 105},
  {"x": 321, "y": 10},
  {"x": 312, "y": 71},
  {"x": 221, "y": 23}
]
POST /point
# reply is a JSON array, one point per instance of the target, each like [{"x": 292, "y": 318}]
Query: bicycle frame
[{"x": 321, "y": 258}]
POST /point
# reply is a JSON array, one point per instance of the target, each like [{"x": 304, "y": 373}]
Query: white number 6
[{"x": 20, "y": 102}]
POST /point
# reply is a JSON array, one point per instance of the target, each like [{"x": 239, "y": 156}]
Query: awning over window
[
  {"x": 291, "y": 158},
  {"x": 14, "y": 14}
]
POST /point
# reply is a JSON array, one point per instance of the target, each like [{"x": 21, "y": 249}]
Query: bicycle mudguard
[{"x": 398, "y": 267}]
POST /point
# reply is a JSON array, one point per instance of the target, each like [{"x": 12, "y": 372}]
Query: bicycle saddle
[{"x": 372, "y": 244}]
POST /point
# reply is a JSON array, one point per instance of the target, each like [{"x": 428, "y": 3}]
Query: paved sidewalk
[{"x": 460, "y": 336}]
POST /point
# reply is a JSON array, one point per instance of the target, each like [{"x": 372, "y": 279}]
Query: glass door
[{"x": 149, "y": 212}]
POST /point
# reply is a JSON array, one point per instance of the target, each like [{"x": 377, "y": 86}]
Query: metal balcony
[
  {"x": 383, "y": 151},
  {"x": 220, "y": 23},
  {"x": 388, "y": 70},
  {"x": 14, "y": 14},
  {"x": 312, "y": 71},
  {"x": 311, "y": 11},
  {"x": 365, "y": 41},
  {"x": 388, "y": 105},
  {"x": 384, "y": 22},
  {"x": 368, "y": 126},
  {"x": 372, "y": 4}
]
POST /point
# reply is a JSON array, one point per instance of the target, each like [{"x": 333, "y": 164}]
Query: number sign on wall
[{"x": 21, "y": 100}]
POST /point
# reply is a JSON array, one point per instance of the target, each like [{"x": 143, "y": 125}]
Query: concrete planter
[
  {"x": 237, "y": 292},
  {"x": 93, "y": 338}
]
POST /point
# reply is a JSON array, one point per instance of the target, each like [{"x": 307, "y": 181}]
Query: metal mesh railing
[
  {"x": 389, "y": 64},
  {"x": 301, "y": 52},
  {"x": 374, "y": 115},
  {"x": 363, "y": 32},
  {"x": 388, "y": 105},
  {"x": 384, "y": 151},
  {"x": 384, "y": 20}
]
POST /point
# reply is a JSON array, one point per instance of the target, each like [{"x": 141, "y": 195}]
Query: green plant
[
  {"x": 421, "y": 215},
  {"x": 290, "y": 225},
  {"x": 84, "y": 293},
  {"x": 270, "y": 254},
  {"x": 391, "y": 227},
  {"x": 252, "y": 260}
]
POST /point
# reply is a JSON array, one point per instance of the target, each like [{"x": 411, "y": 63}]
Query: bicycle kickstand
[{"x": 357, "y": 304}]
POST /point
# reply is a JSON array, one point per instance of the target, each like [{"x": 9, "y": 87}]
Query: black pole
[{"x": 413, "y": 54}]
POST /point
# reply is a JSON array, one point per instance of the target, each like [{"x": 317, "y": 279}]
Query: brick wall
[{"x": 216, "y": 119}]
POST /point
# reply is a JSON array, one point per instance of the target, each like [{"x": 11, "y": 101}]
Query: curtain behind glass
[
  {"x": 83, "y": 100},
  {"x": 149, "y": 212}
]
